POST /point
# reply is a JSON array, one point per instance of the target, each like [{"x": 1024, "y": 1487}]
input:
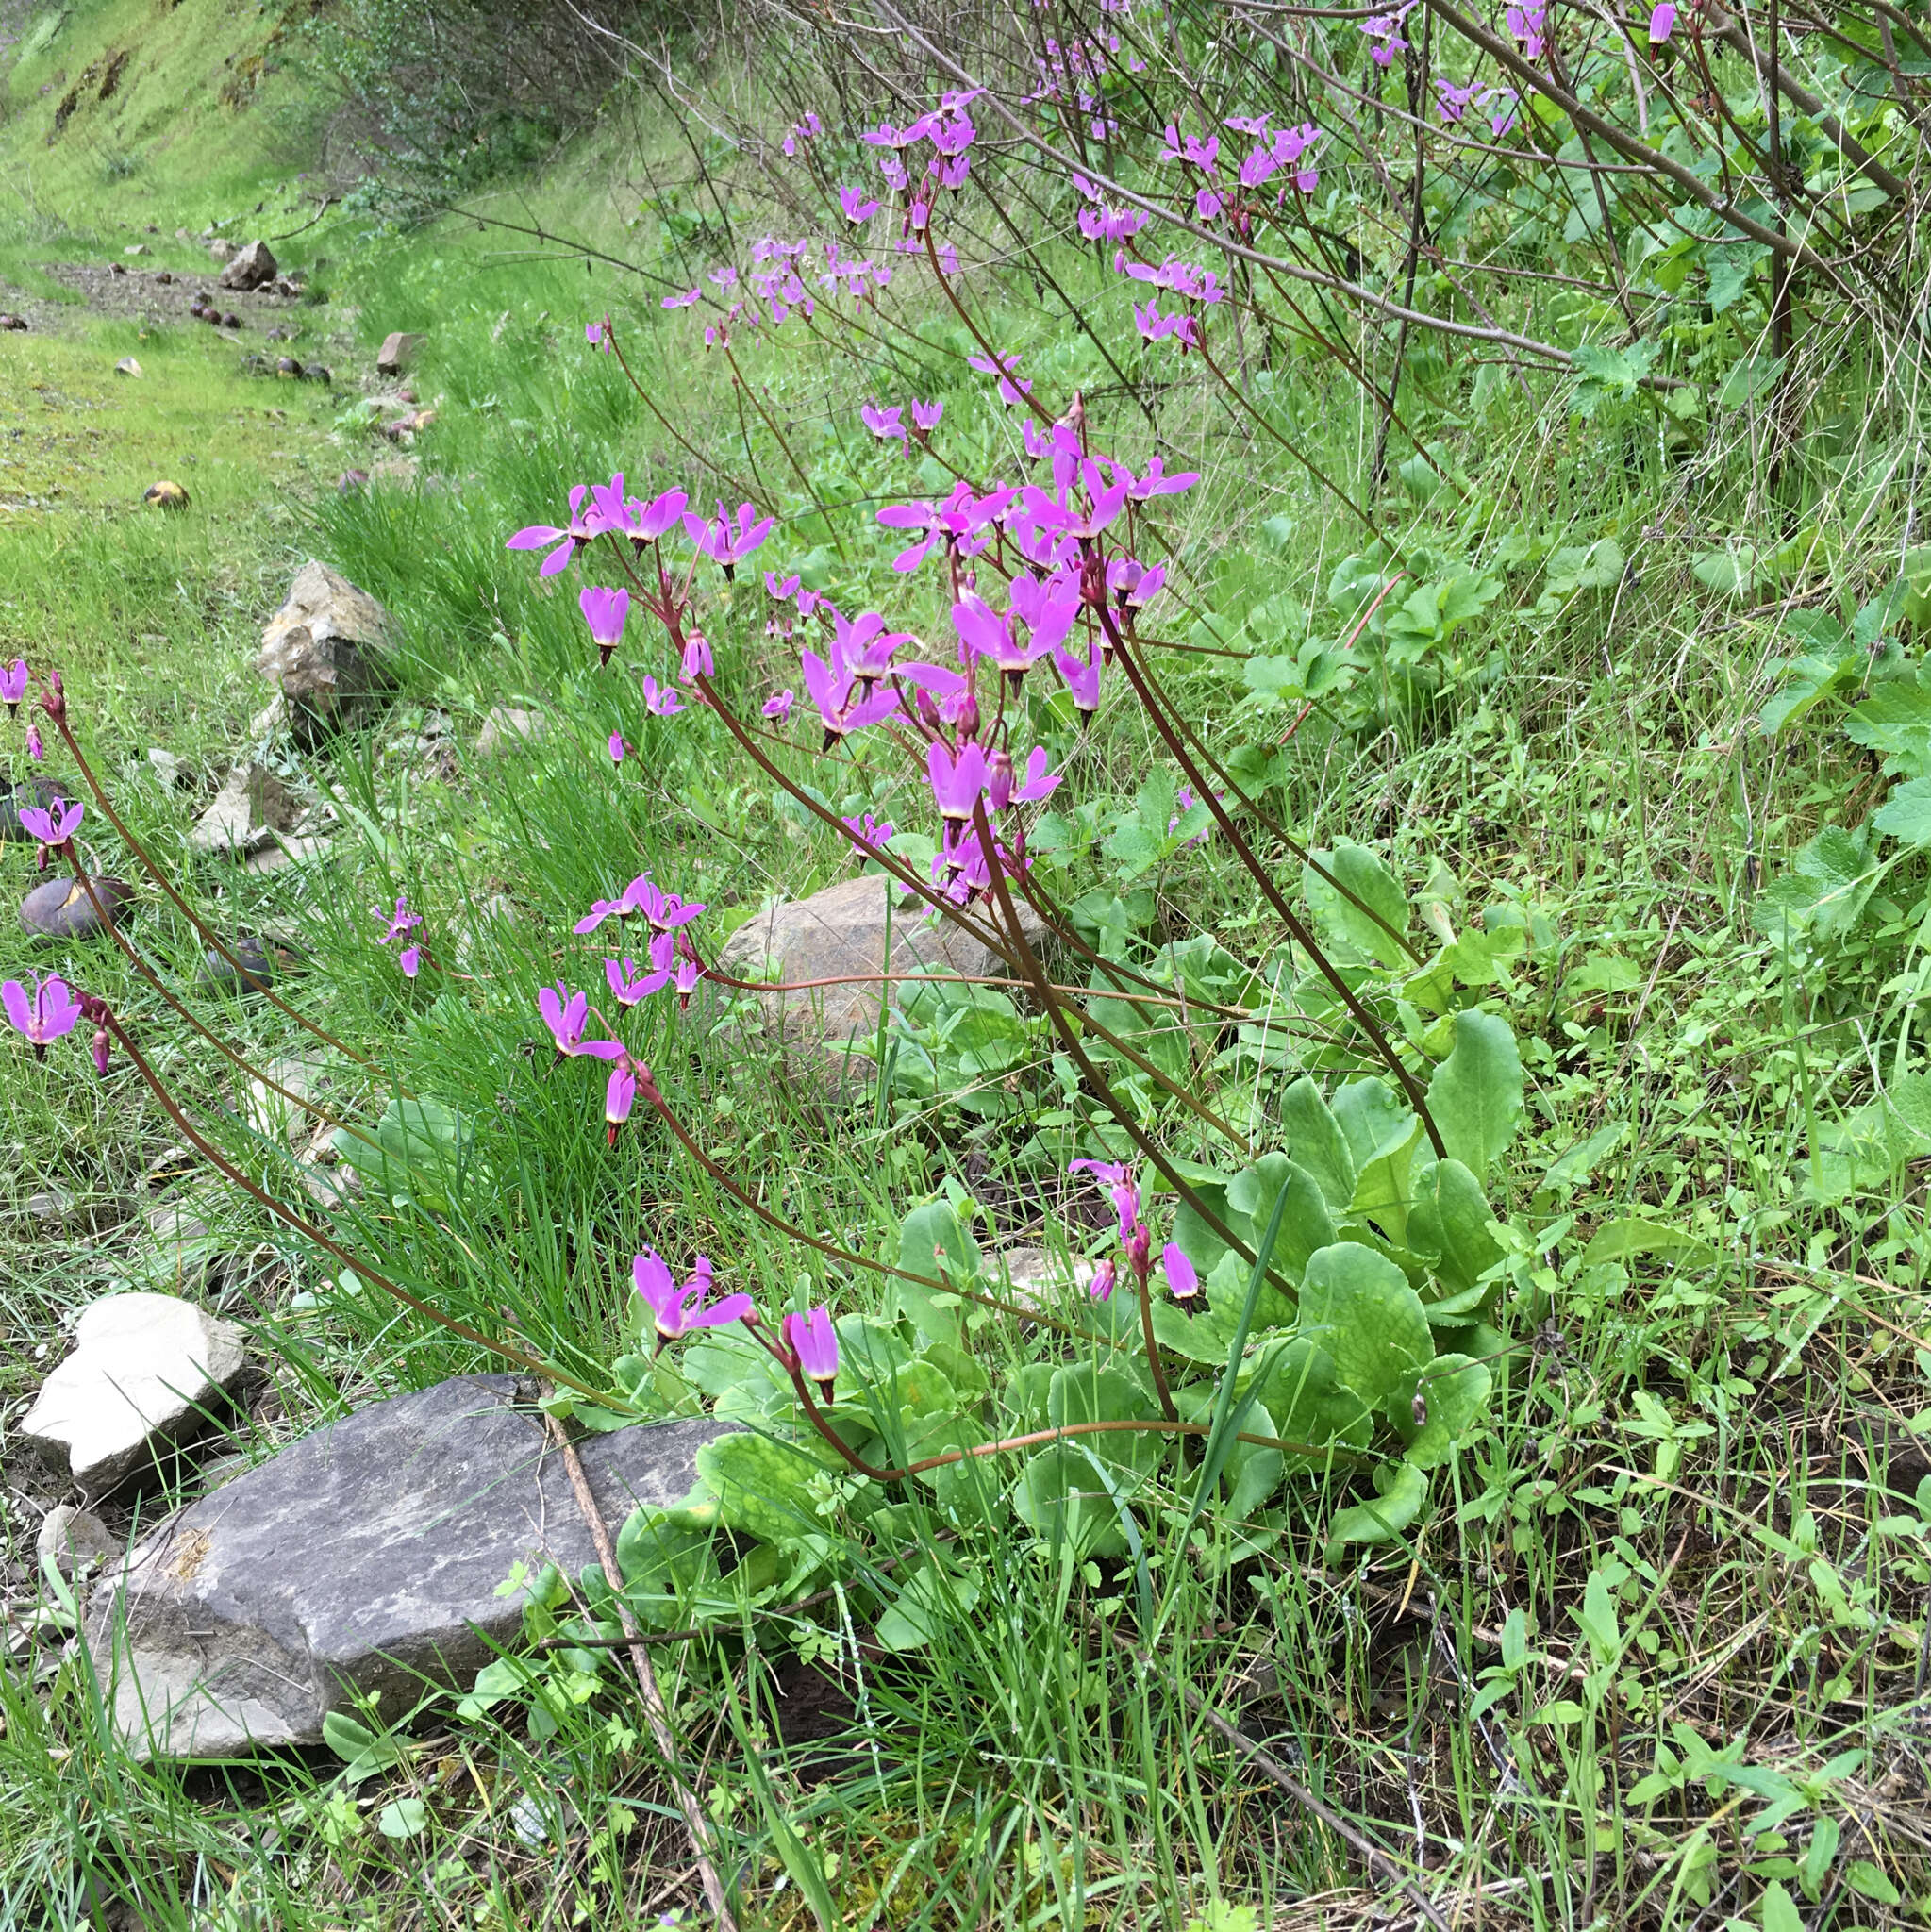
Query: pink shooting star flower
[
  {"x": 1529, "y": 25},
  {"x": 684, "y": 977},
  {"x": 841, "y": 707},
  {"x": 725, "y": 540},
  {"x": 620, "y": 1094},
  {"x": 410, "y": 960},
  {"x": 778, "y": 706},
  {"x": 54, "y": 827},
  {"x": 1104, "y": 1277},
  {"x": 101, "y": 1045},
  {"x": 645, "y": 522},
  {"x": 1082, "y": 675},
  {"x": 1013, "y": 388},
  {"x": 883, "y": 423},
  {"x": 13, "y": 685},
  {"x": 597, "y": 334},
  {"x": 1122, "y": 1189},
  {"x": 683, "y": 301},
  {"x": 958, "y": 784},
  {"x": 858, "y": 206},
  {"x": 620, "y": 747},
  {"x": 697, "y": 659},
  {"x": 1662, "y": 23},
  {"x": 661, "y": 701},
  {"x": 1183, "y": 1279},
  {"x": 925, "y": 417},
  {"x": 36, "y": 746},
  {"x": 1452, "y": 102},
  {"x": 48, "y": 1012},
  {"x": 399, "y": 922},
  {"x": 676, "y": 1310},
  {"x": 871, "y": 836},
  {"x": 568, "y": 541},
  {"x": 812, "y": 1344},
  {"x": 605, "y": 611},
  {"x": 627, "y": 984}
]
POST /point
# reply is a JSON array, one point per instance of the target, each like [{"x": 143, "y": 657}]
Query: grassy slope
[{"x": 1596, "y": 782}]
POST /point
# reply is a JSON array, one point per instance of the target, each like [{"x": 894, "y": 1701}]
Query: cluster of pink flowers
[
  {"x": 805, "y": 1345},
  {"x": 1136, "y": 1243},
  {"x": 49, "y": 1010}
]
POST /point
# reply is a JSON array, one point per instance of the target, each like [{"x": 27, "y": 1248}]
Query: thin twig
[{"x": 699, "y": 1826}]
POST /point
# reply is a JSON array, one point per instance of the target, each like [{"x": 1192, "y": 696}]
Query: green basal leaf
[
  {"x": 1403, "y": 1489},
  {"x": 1453, "y": 1397},
  {"x": 1317, "y": 1143},
  {"x": 1360, "y": 1307},
  {"x": 1476, "y": 1093}
]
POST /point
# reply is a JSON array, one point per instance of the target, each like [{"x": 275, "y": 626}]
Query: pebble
[
  {"x": 61, "y": 908},
  {"x": 74, "y": 1541},
  {"x": 262, "y": 960},
  {"x": 165, "y": 495},
  {"x": 506, "y": 728},
  {"x": 127, "y": 366}
]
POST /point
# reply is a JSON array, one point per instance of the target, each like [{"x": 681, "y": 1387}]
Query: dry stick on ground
[
  {"x": 694, "y": 1820},
  {"x": 1379, "y": 1862}
]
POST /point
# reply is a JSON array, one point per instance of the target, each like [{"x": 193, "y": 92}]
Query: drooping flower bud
[{"x": 999, "y": 785}]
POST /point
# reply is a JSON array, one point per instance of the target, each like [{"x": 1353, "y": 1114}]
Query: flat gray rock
[
  {"x": 840, "y": 934},
  {"x": 364, "y": 1558},
  {"x": 145, "y": 1372}
]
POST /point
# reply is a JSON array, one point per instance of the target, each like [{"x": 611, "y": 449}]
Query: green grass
[{"x": 1697, "y": 1486}]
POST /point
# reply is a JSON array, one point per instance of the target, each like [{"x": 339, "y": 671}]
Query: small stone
[
  {"x": 840, "y": 934},
  {"x": 316, "y": 371},
  {"x": 61, "y": 908},
  {"x": 144, "y": 1369},
  {"x": 115, "y": 268},
  {"x": 288, "y": 368},
  {"x": 352, "y": 480},
  {"x": 247, "y": 812},
  {"x": 505, "y": 727},
  {"x": 249, "y": 268},
  {"x": 221, "y": 249},
  {"x": 11, "y": 321},
  {"x": 135, "y": 248},
  {"x": 250, "y": 964},
  {"x": 397, "y": 351},
  {"x": 165, "y": 495},
  {"x": 365, "y": 1559},
  {"x": 282, "y": 852},
  {"x": 164, "y": 279},
  {"x": 181, "y": 1250},
  {"x": 1038, "y": 1279},
  {"x": 74, "y": 1541},
  {"x": 36, "y": 794},
  {"x": 231, "y": 320},
  {"x": 127, "y": 366},
  {"x": 47, "y": 1213},
  {"x": 276, "y": 1116},
  {"x": 319, "y": 648}
]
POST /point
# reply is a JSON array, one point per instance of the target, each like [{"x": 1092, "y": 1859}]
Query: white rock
[
  {"x": 1039, "y": 1279},
  {"x": 505, "y": 727},
  {"x": 246, "y": 814},
  {"x": 76, "y": 1539},
  {"x": 144, "y": 1370}
]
